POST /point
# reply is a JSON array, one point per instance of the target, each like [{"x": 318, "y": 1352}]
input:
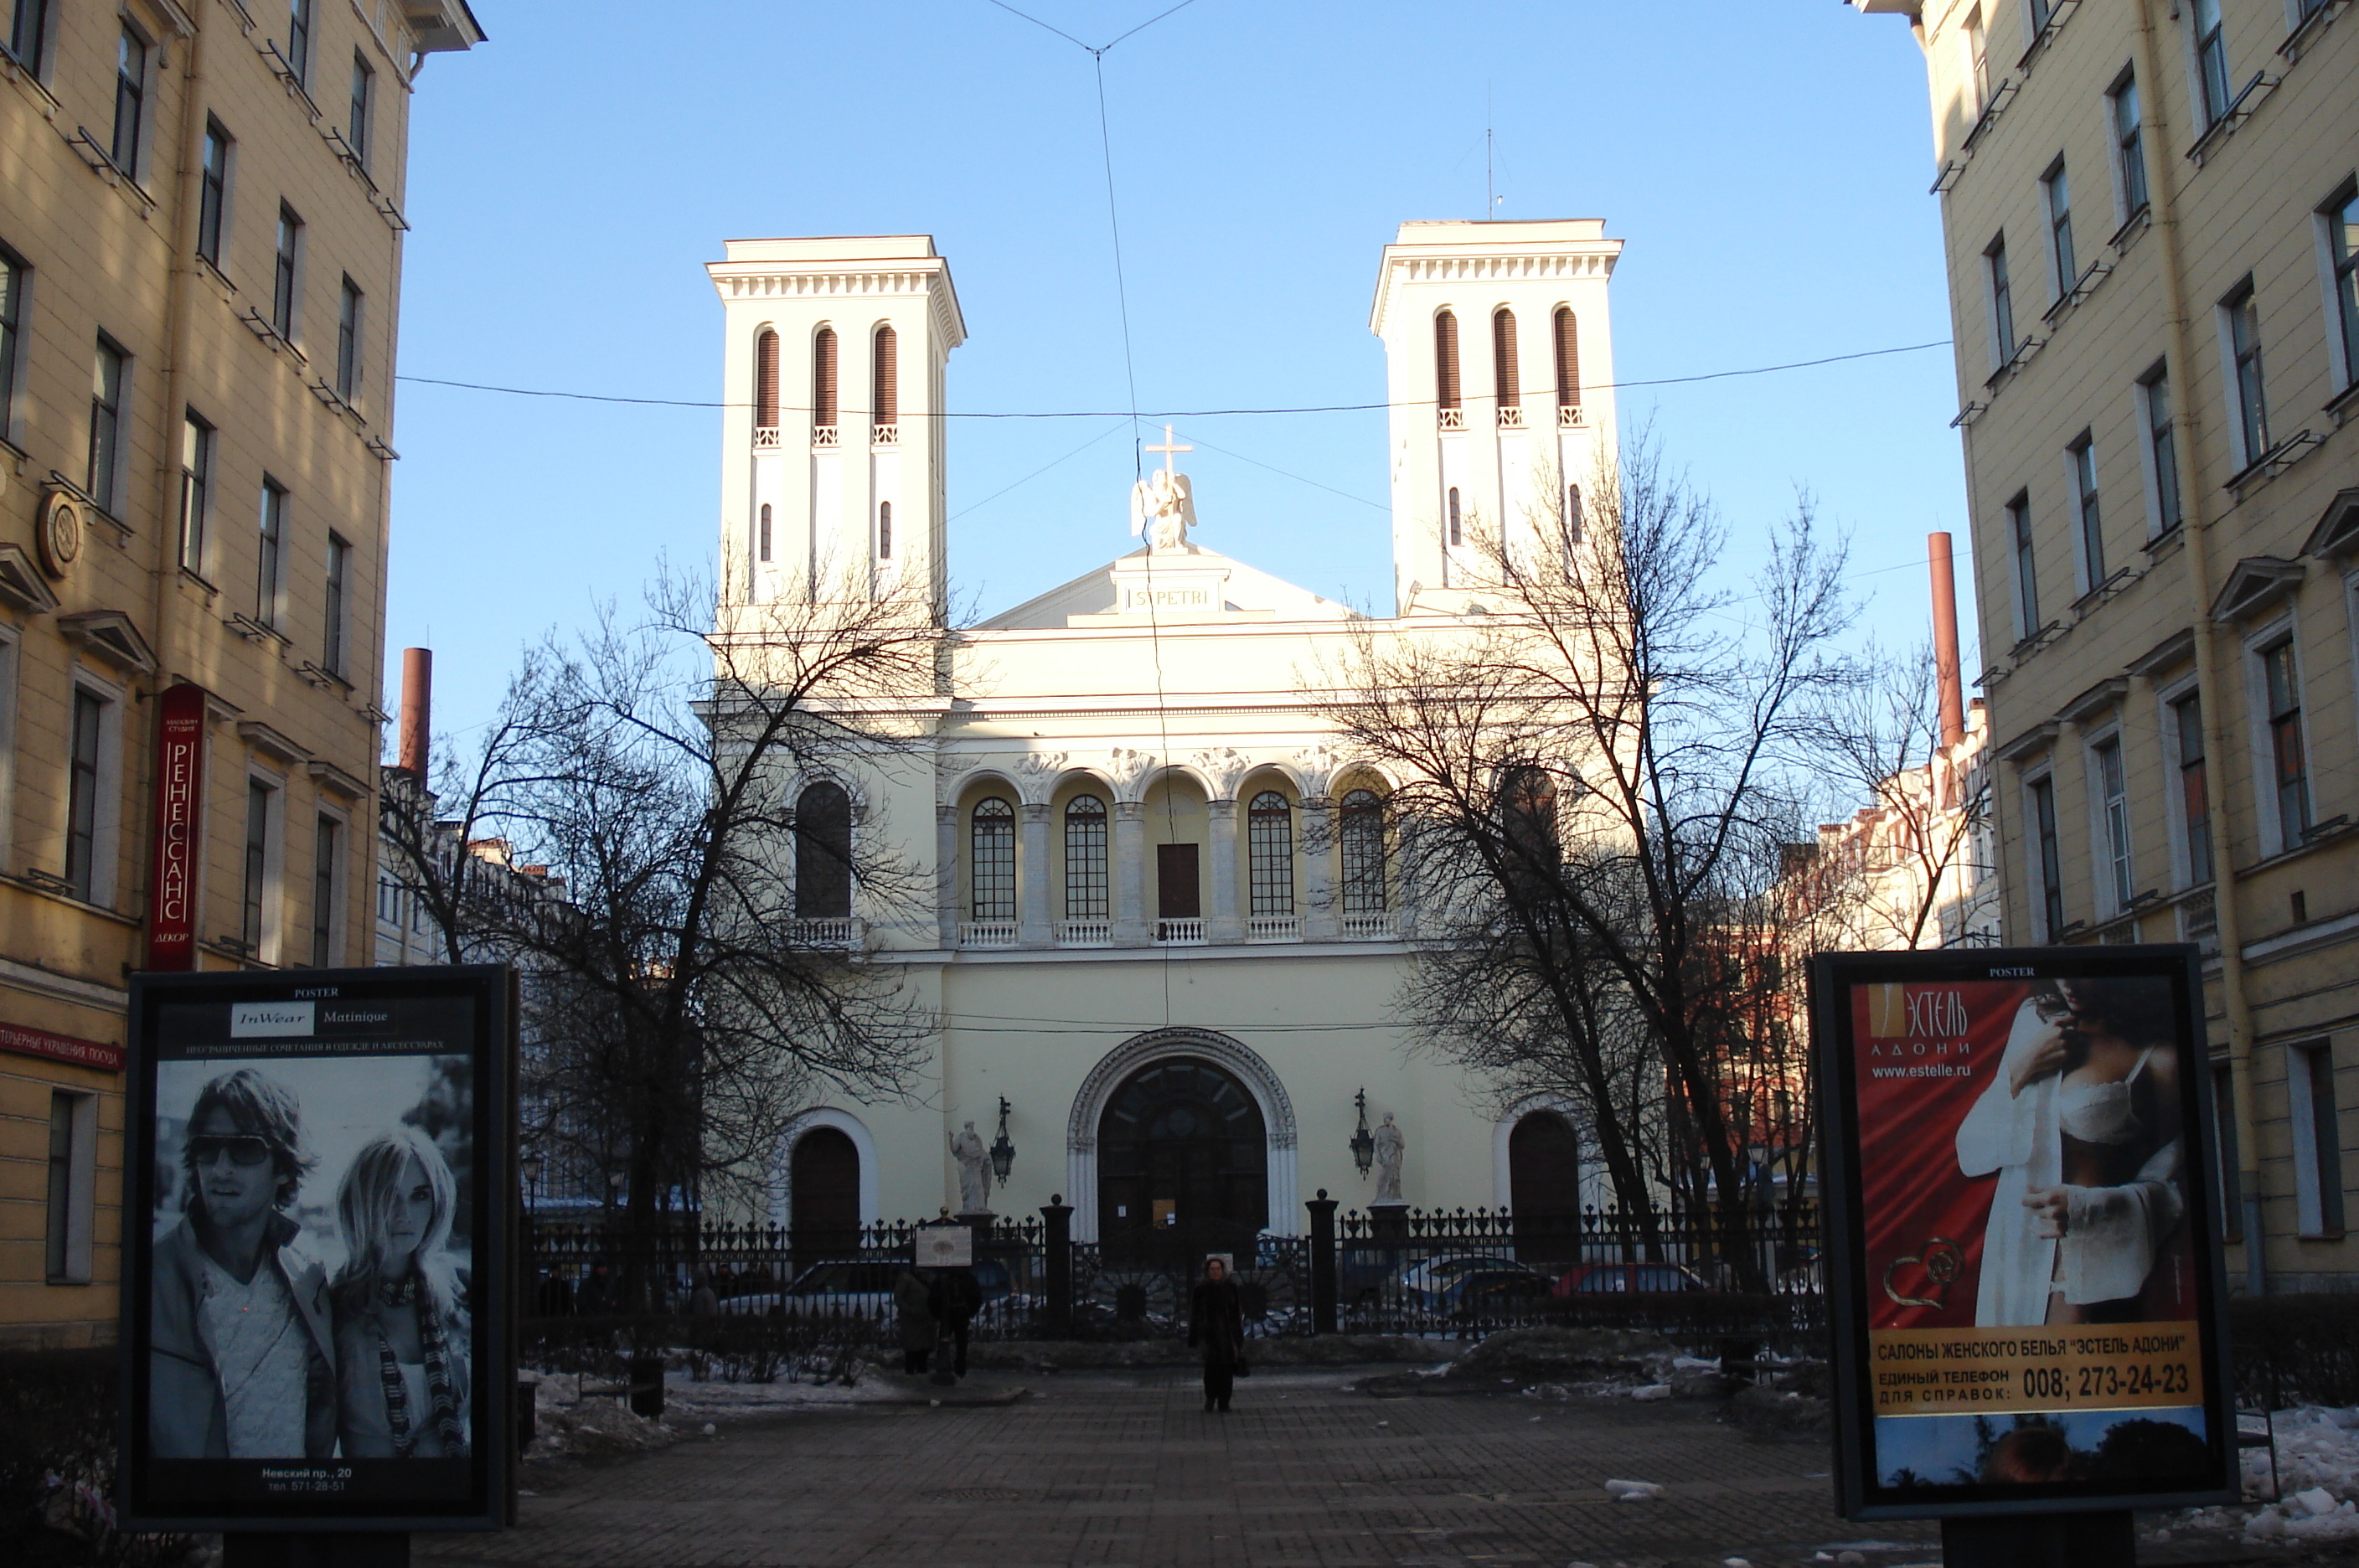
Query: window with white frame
[
  {"x": 270, "y": 559},
  {"x": 2002, "y": 303},
  {"x": 2211, "y": 45},
  {"x": 2317, "y": 1138},
  {"x": 2026, "y": 577},
  {"x": 196, "y": 489},
  {"x": 991, "y": 860},
  {"x": 72, "y": 1206},
  {"x": 298, "y": 39},
  {"x": 1363, "y": 843},
  {"x": 349, "y": 305},
  {"x": 93, "y": 788},
  {"x": 2190, "y": 797},
  {"x": 130, "y": 101},
  {"x": 2083, "y": 457},
  {"x": 2047, "y": 857},
  {"x": 1087, "y": 886},
  {"x": 2339, "y": 223},
  {"x": 285, "y": 273},
  {"x": 212, "y": 193},
  {"x": 260, "y": 868},
  {"x": 2057, "y": 197},
  {"x": 2129, "y": 147},
  {"x": 1978, "y": 57},
  {"x": 2285, "y": 762},
  {"x": 14, "y": 278},
  {"x": 28, "y": 34},
  {"x": 357, "y": 125},
  {"x": 2161, "y": 450},
  {"x": 2109, "y": 794},
  {"x": 2240, "y": 317},
  {"x": 109, "y": 380},
  {"x": 337, "y": 607}
]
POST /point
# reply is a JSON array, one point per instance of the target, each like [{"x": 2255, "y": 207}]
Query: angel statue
[{"x": 1162, "y": 509}]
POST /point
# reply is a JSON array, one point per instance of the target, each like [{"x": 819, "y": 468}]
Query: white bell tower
[
  {"x": 1499, "y": 366},
  {"x": 831, "y": 482}
]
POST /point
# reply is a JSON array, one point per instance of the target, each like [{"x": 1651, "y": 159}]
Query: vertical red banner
[{"x": 180, "y": 792}]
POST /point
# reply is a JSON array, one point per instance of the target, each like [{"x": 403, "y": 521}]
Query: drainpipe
[{"x": 2208, "y": 682}]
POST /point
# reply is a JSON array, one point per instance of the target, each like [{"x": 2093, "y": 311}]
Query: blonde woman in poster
[
  {"x": 403, "y": 1341},
  {"x": 2082, "y": 1125}
]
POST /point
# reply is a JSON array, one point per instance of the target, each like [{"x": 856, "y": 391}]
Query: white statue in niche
[
  {"x": 1390, "y": 1145},
  {"x": 973, "y": 1172},
  {"x": 1163, "y": 506}
]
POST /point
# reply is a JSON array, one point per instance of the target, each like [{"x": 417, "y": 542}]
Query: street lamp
[
  {"x": 1363, "y": 1142},
  {"x": 1002, "y": 1153}
]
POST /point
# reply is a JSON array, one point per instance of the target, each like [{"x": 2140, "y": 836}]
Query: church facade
[{"x": 1166, "y": 937}]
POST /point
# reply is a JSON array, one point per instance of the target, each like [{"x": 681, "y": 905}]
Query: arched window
[
  {"x": 762, "y": 540},
  {"x": 1527, "y": 826},
  {"x": 1085, "y": 859},
  {"x": 823, "y": 377},
  {"x": 1363, "y": 834},
  {"x": 1457, "y": 533},
  {"x": 824, "y": 854},
  {"x": 766, "y": 379},
  {"x": 1567, "y": 359},
  {"x": 1445, "y": 360},
  {"x": 884, "y": 530},
  {"x": 1506, "y": 378},
  {"x": 1269, "y": 841},
  {"x": 991, "y": 860},
  {"x": 1572, "y": 519},
  {"x": 886, "y": 365}
]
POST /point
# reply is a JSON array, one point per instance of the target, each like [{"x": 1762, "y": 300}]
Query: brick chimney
[
  {"x": 1947, "y": 677},
  {"x": 414, "y": 739}
]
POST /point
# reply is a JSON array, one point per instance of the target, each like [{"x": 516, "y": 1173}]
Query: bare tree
[
  {"x": 1598, "y": 770},
  {"x": 685, "y": 784}
]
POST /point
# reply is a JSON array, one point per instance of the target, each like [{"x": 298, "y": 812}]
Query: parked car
[
  {"x": 1430, "y": 1282},
  {"x": 1493, "y": 1290},
  {"x": 1626, "y": 1279}
]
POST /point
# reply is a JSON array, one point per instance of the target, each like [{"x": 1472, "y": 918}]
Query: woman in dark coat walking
[{"x": 1216, "y": 1321}]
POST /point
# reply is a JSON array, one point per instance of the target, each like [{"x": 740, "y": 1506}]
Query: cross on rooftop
[{"x": 1167, "y": 448}]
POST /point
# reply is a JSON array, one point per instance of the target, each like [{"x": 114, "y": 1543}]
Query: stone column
[
  {"x": 1222, "y": 921},
  {"x": 946, "y": 904},
  {"x": 1322, "y": 915},
  {"x": 1032, "y": 879},
  {"x": 1129, "y": 868}
]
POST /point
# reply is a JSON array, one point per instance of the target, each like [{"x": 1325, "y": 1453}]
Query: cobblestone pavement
[{"x": 1101, "y": 1469}]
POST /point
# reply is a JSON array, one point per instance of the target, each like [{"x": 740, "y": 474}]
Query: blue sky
[{"x": 1765, "y": 164}]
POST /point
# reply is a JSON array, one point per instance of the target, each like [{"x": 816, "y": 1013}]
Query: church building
[{"x": 1167, "y": 939}]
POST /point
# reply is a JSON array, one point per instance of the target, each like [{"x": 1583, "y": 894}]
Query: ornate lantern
[
  {"x": 1002, "y": 1153},
  {"x": 1364, "y": 1143}
]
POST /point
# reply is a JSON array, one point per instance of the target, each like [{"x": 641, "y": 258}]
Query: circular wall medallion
[{"x": 60, "y": 534}]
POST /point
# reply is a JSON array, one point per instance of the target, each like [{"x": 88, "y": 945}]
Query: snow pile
[
  {"x": 564, "y": 1423},
  {"x": 685, "y": 1396},
  {"x": 2318, "y": 1469}
]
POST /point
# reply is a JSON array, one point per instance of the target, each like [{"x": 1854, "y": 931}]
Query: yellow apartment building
[
  {"x": 201, "y": 222},
  {"x": 2152, "y": 227}
]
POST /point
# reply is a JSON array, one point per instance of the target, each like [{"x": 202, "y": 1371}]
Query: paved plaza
[{"x": 1127, "y": 1469}]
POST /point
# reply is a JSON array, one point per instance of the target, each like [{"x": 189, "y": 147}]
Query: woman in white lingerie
[{"x": 2081, "y": 1125}]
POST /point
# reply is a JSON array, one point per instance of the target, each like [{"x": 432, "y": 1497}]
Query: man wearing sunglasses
[{"x": 239, "y": 1365}]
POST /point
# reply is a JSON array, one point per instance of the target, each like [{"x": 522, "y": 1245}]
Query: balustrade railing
[
  {"x": 1511, "y": 418},
  {"x": 1180, "y": 934},
  {"x": 1273, "y": 928},
  {"x": 841, "y": 932},
  {"x": 987, "y": 933},
  {"x": 1567, "y": 417},
  {"x": 765, "y": 438},
  {"x": 1085, "y": 934},
  {"x": 826, "y": 435},
  {"x": 885, "y": 435},
  {"x": 1450, "y": 419},
  {"x": 1377, "y": 927}
]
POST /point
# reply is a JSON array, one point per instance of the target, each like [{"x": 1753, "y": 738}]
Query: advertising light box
[
  {"x": 315, "y": 1319},
  {"x": 2025, "y": 1262}
]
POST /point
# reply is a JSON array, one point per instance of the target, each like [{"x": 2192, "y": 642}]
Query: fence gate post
[
  {"x": 1322, "y": 1263},
  {"x": 1059, "y": 1244}
]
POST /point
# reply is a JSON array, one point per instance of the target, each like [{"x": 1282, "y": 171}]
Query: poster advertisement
[
  {"x": 2027, "y": 1275},
  {"x": 315, "y": 1234}
]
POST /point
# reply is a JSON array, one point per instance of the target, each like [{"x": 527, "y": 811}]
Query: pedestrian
[
  {"x": 914, "y": 1314},
  {"x": 1216, "y": 1324},
  {"x": 704, "y": 1301},
  {"x": 597, "y": 1296},
  {"x": 954, "y": 1300}
]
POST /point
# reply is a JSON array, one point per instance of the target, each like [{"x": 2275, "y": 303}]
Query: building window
[
  {"x": 1506, "y": 378},
  {"x": 2002, "y": 298},
  {"x": 326, "y": 858},
  {"x": 106, "y": 424},
  {"x": 1363, "y": 843},
  {"x": 195, "y": 490},
  {"x": 2243, "y": 314},
  {"x": 73, "y": 1187},
  {"x": 766, "y": 379},
  {"x": 2211, "y": 60},
  {"x": 1086, "y": 882},
  {"x": 2048, "y": 863},
  {"x": 823, "y": 377},
  {"x": 2129, "y": 147},
  {"x": 29, "y": 34},
  {"x": 2317, "y": 1138},
  {"x": 2083, "y": 454},
  {"x": 130, "y": 101},
  {"x": 1269, "y": 845},
  {"x": 2027, "y": 576},
  {"x": 298, "y": 39},
  {"x": 348, "y": 341},
  {"x": 823, "y": 853},
  {"x": 2194, "y": 790},
  {"x": 356, "y": 128},
  {"x": 212, "y": 194},
  {"x": 14, "y": 276},
  {"x": 84, "y": 784},
  {"x": 884, "y": 530},
  {"x": 1572, "y": 517},
  {"x": 885, "y": 365},
  {"x": 284, "y": 264},
  {"x": 2289, "y": 760},
  {"x": 762, "y": 537},
  {"x": 1457, "y": 529},
  {"x": 2059, "y": 228},
  {"x": 253, "y": 926},
  {"x": 1567, "y": 358},
  {"x": 2342, "y": 219},
  {"x": 340, "y": 559},
  {"x": 991, "y": 860},
  {"x": 2114, "y": 818},
  {"x": 2161, "y": 448},
  {"x": 270, "y": 596},
  {"x": 1445, "y": 360},
  {"x": 1978, "y": 57}
]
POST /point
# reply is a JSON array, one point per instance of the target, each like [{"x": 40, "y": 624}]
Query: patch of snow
[
  {"x": 1651, "y": 1391},
  {"x": 1633, "y": 1491}
]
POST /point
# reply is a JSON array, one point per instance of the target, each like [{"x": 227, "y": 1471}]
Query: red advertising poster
[
  {"x": 95, "y": 1054},
  {"x": 2029, "y": 1239},
  {"x": 180, "y": 795}
]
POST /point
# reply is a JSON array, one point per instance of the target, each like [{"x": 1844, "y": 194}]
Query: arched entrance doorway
[
  {"x": 824, "y": 1188},
  {"x": 1544, "y": 1187},
  {"x": 1183, "y": 1165}
]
